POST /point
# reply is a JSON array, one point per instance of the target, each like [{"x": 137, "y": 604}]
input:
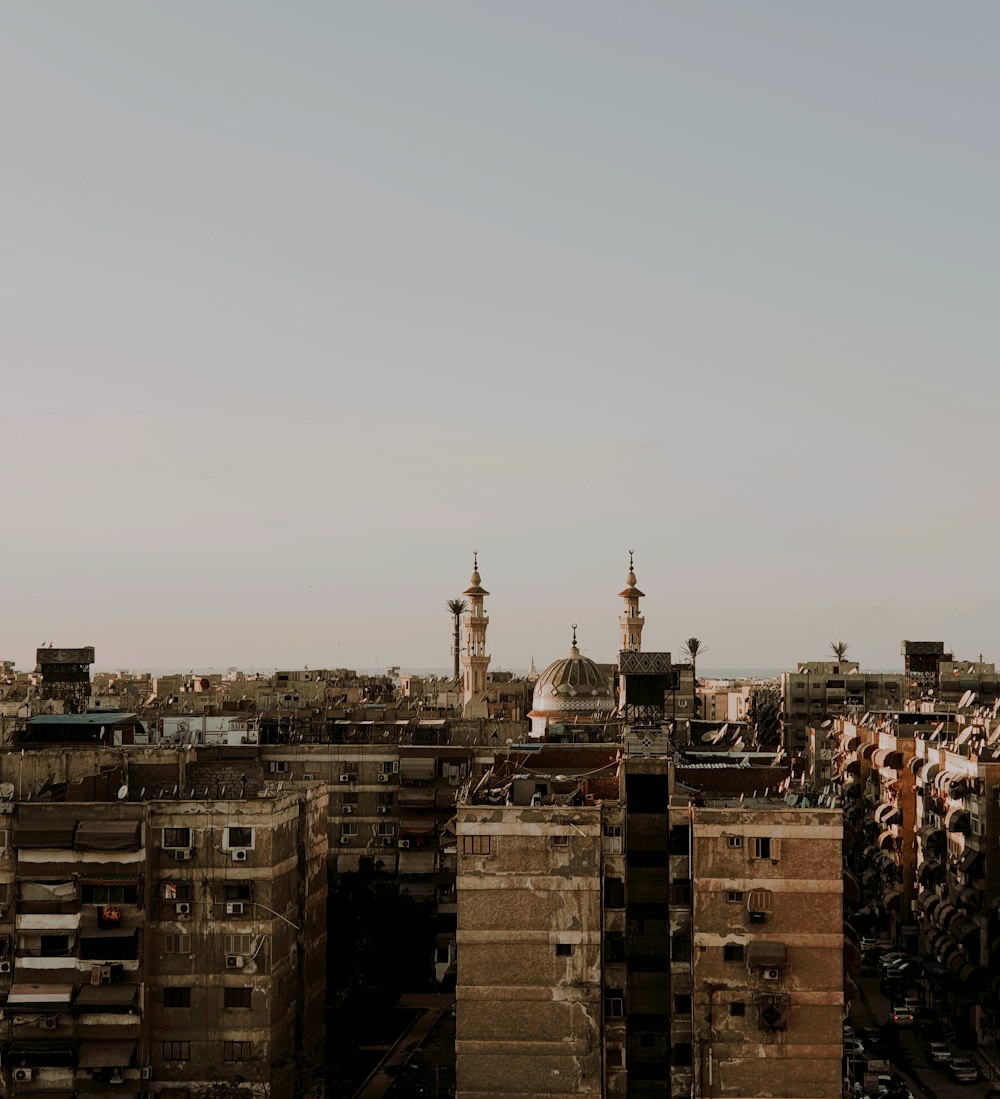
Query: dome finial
[
  {"x": 574, "y": 651},
  {"x": 630, "y": 579},
  {"x": 476, "y": 579}
]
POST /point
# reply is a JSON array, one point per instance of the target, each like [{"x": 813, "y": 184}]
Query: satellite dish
[
  {"x": 826, "y": 724},
  {"x": 707, "y": 738},
  {"x": 123, "y": 791},
  {"x": 965, "y": 700},
  {"x": 724, "y": 730},
  {"x": 805, "y": 803},
  {"x": 791, "y": 800}
]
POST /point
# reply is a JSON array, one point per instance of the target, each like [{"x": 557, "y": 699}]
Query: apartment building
[
  {"x": 825, "y": 688},
  {"x": 621, "y": 935},
  {"x": 158, "y": 943}
]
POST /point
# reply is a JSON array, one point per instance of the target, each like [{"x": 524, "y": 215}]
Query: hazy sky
[{"x": 302, "y": 302}]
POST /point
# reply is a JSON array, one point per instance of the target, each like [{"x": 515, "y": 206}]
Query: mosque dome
[{"x": 574, "y": 686}]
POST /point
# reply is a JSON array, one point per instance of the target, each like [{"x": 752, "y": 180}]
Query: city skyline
[{"x": 304, "y": 304}]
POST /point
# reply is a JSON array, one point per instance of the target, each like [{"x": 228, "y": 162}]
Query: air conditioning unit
[
  {"x": 387, "y": 841},
  {"x": 181, "y": 853},
  {"x": 346, "y": 778},
  {"x": 771, "y": 974},
  {"x": 348, "y": 810},
  {"x": 235, "y": 961},
  {"x": 235, "y": 909},
  {"x": 5, "y": 967},
  {"x": 49, "y": 1022},
  {"x": 23, "y": 1075},
  {"x": 757, "y": 917},
  {"x": 404, "y": 843},
  {"x": 146, "y": 1072},
  {"x": 345, "y": 839},
  {"x": 116, "y": 1077},
  {"x": 239, "y": 854},
  {"x": 382, "y": 810},
  {"x": 383, "y": 777},
  {"x": 183, "y": 908}
]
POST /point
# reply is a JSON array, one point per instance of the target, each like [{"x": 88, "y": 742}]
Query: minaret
[
  {"x": 631, "y": 621},
  {"x": 475, "y": 659}
]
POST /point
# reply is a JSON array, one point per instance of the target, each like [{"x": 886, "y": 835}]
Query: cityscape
[
  {"x": 597, "y": 879},
  {"x": 499, "y": 575}
]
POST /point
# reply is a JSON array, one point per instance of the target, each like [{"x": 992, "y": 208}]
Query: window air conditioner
[
  {"x": 758, "y": 917},
  {"x": 234, "y": 961},
  {"x": 23, "y": 1075},
  {"x": 49, "y": 1022},
  {"x": 348, "y": 810},
  {"x": 235, "y": 909},
  {"x": 383, "y": 777},
  {"x": 182, "y": 909},
  {"x": 4, "y": 967},
  {"x": 146, "y": 1072},
  {"x": 345, "y": 839},
  {"x": 346, "y": 778},
  {"x": 387, "y": 841},
  {"x": 239, "y": 854},
  {"x": 181, "y": 853},
  {"x": 116, "y": 1077},
  {"x": 404, "y": 843},
  {"x": 382, "y": 810},
  {"x": 771, "y": 974}
]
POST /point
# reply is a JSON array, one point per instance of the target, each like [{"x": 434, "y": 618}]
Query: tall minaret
[
  {"x": 631, "y": 621},
  {"x": 475, "y": 659}
]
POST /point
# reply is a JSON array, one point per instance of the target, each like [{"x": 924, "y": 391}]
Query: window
[
  {"x": 614, "y": 893},
  {"x": 238, "y": 997},
  {"x": 177, "y": 997},
  {"x": 237, "y": 1051},
  {"x": 238, "y": 891},
  {"x": 384, "y": 799},
  {"x": 764, "y": 847},
  {"x": 613, "y": 1057},
  {"x": 176, "y": 1051},
  {"x": 564, "y": 950},
  {"x": 759, "y": 900},
  {"x": 680, "y": 835},
  {"x": 4, "y": 839},
  {"x": 732, "y": 952},
  {"x": 680, "y": 891},
  {"x": 176, "y": 944},
  {"x": 98, "y": 893},
  {"x": 351, "y": 798},
  {"x": 176, "y": 890},
  {"x": 237, "y": 837},
  {"x": 734, "y": 841},
  {"x": 560, "y": 841},
  {"x": 386, "y": 829},
  {"x": 682, "y": 1004},
  {"x": 681, "y": 1054},
  {"x": 477, "y": 845},
  {"x": 238, "y": 944},
  {"x": 680, "y": 947},
  {"x": 348, "y": 828},
  {"x": 614, "y": 947},
  {"x": 613, "y": 839},
  {"x": 737, "y": 1007},
  {"x": 176, "y": 837},
  {"x": 734, "y": 896},
  {"x": 614, "y": 1004}
]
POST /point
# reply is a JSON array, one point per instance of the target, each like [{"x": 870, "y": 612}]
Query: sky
[{"x": 302, "y": 303}]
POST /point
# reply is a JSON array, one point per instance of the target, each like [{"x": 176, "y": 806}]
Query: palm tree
[
  {"x": 457, "y": 609},
  {"x": 692, "y": 648},
  {"x": 839, "y": 649}
]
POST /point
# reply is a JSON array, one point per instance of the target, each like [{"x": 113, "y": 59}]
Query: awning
[
  {"x": 870, "y": 851},
  {"x": 868, "y": 750},
  {"x": 928, "y": 870},
  {"x": 849, "y": 740},
  {"x": 972, "y": 862},
  {"x": 416, "y": 795},
  {"x": 109, "y": 835},
  {"x": 886, "y": 840},
  {"x": 970, "y": 896},
  {"x": 963, "y": 929},
  {"x": 103, "y": 995},
  {"x": 887, "y": 757},
  {"x": 49, "y": 921},
  {"x": 973, "y": 979},
  {"x": 417, "y": 862},
  {"x": 416, "y": 828},
  {"x": 887, "y": 813},
  {"x": 767, "y": 955},
  {"x": 929, "y": 772},
  {"x": 97, "y": 935},
  {"x": 106, "y": 1054},
  {"x": 944, "y": 914},
  {"x": 886, "y": 861},
  {"x": 916, "y": 763},
  {"x": 956, "y": 962},
  {"x": 418, "y": 768},
  {"x": 47, "y": 891},
  {"x": 929, "y": 831},
  {"x": 32, "y": 829},
  {"x": 27, "y": 996},
  {"x": 958, "y": 820},
  {"x": 928, "y": 902},
  {"x": 892, "y": 898}
]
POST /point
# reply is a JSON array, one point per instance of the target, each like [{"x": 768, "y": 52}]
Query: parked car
[
  {"x": 963, "y": 1070},
  {"x": 938, "y": 1053},
  {"x": 900, "y": 1015}
]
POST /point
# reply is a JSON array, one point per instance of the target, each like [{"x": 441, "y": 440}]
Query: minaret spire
[
  {"x": 475, "y": 659},
  {"x": 631, "y": 621}
]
